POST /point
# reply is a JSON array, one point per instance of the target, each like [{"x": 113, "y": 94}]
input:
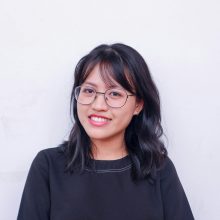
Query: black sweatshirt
[{"x": 105, "y": 194}]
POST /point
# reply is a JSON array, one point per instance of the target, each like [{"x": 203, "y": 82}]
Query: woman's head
[
  {"x": 120, "y": 66},
  {"x": 105, "y": 109},
  {"x": 125, "y": 66}
]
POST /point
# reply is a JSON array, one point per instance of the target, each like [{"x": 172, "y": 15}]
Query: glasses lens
[
  {"x": 84, "y": 95},
  {"x": 115, "y": 97}
]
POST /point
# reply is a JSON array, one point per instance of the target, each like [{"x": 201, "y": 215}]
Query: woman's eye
[
  {"x": 115, "y": 94},
  {"x": 88, "y": 90}
]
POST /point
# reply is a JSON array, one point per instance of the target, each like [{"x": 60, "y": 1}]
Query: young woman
[{"x": 114, "y": 165}]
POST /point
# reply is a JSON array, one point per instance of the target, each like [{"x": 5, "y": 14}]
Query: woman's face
[{"x": 100, "y": 121}]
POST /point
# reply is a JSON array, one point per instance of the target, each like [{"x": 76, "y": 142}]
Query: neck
[{"x": 108, "y": 150}]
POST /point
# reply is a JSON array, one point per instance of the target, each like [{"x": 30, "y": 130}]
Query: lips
[
  {"x": 98, "y": 117},
  {"x": 98, "y": 120}
]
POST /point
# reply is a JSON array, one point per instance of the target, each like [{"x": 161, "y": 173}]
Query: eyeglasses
[{"x": 114, "y": 97}]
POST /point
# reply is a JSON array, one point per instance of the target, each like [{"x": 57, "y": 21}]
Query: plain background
[{"x": 40, "y": 44}]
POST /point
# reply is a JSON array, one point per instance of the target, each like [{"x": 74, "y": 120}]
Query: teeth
[{"x": 99, "y": 119}]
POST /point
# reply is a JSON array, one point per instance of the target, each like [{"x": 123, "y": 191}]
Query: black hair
[{"x": 143, "y": 135}]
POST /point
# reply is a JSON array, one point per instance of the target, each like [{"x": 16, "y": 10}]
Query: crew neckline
[{"x": 104, "y": 165}]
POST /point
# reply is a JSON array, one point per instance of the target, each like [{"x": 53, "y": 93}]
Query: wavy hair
[{"x": 143, "y": 135}]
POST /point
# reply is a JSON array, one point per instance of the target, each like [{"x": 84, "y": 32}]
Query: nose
[{"x": 99, "y": 102}]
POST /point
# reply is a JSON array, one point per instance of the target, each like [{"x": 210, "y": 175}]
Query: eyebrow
[
  {"x": 95, "y": 85},
  {"x": 90, "y": 83}
]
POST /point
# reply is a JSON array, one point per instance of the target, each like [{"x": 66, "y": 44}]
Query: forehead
[{"x": 97, "y": 78}]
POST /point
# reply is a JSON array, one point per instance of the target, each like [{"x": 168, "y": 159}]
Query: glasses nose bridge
[{"x": 100, "y": 93}]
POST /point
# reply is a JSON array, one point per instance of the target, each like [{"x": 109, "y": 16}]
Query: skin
[{"x": 107, "y": 140}]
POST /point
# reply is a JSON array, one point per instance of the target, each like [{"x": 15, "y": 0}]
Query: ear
[{"x": 139, "y": 106}]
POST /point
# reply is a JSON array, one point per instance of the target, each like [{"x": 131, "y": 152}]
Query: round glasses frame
[{"x": 77, "y": 89}]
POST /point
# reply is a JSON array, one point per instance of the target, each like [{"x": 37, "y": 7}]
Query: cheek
[
  {"x": 81, "y": 112},
  {"x": 124, "y": 116}
]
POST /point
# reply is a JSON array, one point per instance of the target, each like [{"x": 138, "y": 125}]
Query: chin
[{"x": 97, "y": 136}]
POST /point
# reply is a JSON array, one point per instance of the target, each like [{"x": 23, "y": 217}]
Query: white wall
[{"x": 40, "y": 43}]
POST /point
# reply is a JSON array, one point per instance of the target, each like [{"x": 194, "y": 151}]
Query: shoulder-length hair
[{"x": 143, "y": 135}]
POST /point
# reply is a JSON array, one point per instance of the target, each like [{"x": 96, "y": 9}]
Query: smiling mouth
[{"x": 99, "y": 119}]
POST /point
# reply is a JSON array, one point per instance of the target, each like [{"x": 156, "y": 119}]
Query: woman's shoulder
[
  {"x": 167, "y": 168},
  {"x": 49, "y": 155}
]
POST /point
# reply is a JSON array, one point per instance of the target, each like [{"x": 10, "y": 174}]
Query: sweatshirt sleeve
[
  {"x": 35, "y": 202},
  {"x": 175, "y": 203}
]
